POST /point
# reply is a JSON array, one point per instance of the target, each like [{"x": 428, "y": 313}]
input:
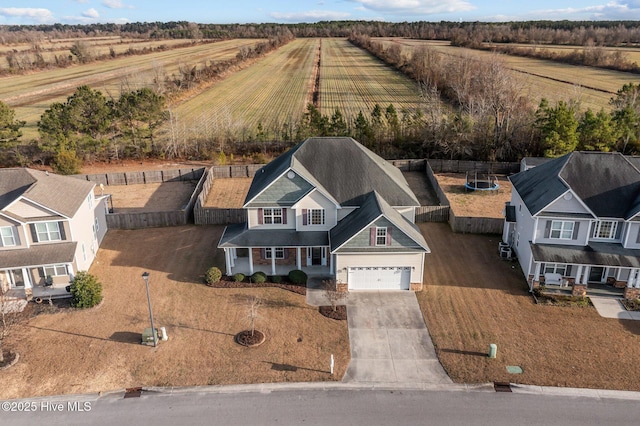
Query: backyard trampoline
[{"x": 481, "y": 182}]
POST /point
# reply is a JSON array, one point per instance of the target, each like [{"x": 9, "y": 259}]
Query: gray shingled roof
[
  {"x": 597, "y": 254},
  {"x": 38, "y": 255},
  {"x": 62, "y": 194},
  {"x": 371, "y": 209},
  {"x": 607, "y": 183},
  {"x": 340, "y": 167},
  {"x": 238, "y": 235}
]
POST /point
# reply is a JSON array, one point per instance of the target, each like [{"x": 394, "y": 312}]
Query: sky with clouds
[{"x": 280, "y": 11}]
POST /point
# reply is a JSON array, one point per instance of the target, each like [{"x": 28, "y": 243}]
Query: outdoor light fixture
[{"x": 145, "y": 276}]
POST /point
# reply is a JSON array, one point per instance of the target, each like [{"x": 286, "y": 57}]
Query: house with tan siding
[{"x": 50, "y": 228}]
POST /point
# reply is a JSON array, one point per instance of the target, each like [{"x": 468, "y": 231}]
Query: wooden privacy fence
[
  {"x": 147, "y": 219},
  {"x": 150, "y": 176},
  {"x": 135, "y": 220},
  {"x": 459, "y": 166},
  {"x": 217, "y": 216},
  {"x": 432, "y": 214},
  {"x": 475, "y": 225}
]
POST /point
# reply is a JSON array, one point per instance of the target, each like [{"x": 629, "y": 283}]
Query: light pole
[{"x": 145, "y": 276}]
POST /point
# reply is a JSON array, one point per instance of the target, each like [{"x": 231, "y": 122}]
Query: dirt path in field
[
  {"x": 472, "y": 298},
  {"x": 314, "y": 86}
]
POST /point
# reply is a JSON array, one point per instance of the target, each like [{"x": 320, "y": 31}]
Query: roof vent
[
  {"x": 568, "y": 196},
  {"x": 291, "y": 174}
]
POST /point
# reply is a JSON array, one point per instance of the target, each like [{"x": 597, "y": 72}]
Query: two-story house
[
  {"x": 331, "y": 207},
  {"x": 50, "y": 227},
  {"x": 575, "y": 221}
]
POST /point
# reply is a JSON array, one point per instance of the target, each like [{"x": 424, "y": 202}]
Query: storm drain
[
  {"x": 502, "y": 386},
  {"x": 132, "y": 392}
]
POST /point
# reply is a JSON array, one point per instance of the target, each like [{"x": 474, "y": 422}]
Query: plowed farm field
[
  {"x": 31, "y": 94},
  {"x": 555, "y": 81}
]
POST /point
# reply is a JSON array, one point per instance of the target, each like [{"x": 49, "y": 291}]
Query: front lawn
[
  {"x": 472, "y": 298},
  {"x": 99, "y": 350}
]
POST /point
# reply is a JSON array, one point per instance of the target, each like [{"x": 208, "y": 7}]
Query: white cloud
[
  {"x": 416, "y": 7},
  {"x": 82, "y": 1},
  {"x": 91, "y": 13},
  {"x": 611, "y": 11},
  {"x": 113, "y": 4},
  {"x": 310, "y": 16},
  {"x": 39, "y": 15}
]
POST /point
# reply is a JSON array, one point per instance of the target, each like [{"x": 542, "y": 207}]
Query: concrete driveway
[{"x": 389, "y": 340}]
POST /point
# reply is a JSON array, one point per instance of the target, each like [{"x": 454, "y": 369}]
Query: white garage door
[{"x": 379, "y": 278}]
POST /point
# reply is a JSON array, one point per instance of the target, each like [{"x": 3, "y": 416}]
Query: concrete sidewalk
[
  {"x": 389, "y": 340},
  {"x": 611, "y": 307}
]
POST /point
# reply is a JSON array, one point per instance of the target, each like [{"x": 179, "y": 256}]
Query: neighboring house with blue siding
[
  {"x": 574, "y": 222},
  {"x": 330, "y": 207},
  {"x": 50, "y": 228}
]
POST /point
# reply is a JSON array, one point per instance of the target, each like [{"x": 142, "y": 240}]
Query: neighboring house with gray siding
[
  {"x": 574, "y": 222},
  {"x": 330, "y": 207},
  {"x": 50, "y": 227}
]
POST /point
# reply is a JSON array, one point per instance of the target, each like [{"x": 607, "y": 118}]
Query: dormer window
[
  {"x": 8, "y": 239},
  {"x": 605, "y": 229},
  {"x": 561, "y": 229},
  {"x": 47, "y": 231}
]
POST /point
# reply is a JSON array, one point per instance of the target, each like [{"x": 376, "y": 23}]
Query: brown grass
[
  {"x": 472, "y": 298},
  {"x": 98, "y": 349},
  {"x": 474, "y": 203},
  {"x": 150, "y": 197},
  {"x": 228, "y": 193}
]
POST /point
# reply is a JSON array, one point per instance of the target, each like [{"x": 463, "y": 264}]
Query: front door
[
  {"x": 17, "y": 278},
  {"x": 595, "y": 275},
  {"x": 316, "y": 255}
]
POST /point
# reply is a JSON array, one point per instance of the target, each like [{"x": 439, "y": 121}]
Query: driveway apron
[{"x": 389, "y": 340}]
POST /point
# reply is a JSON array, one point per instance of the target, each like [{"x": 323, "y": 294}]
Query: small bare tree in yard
[
  {"x": 253, "y": 314},
  {"x": 332, "y": 294},
  {"x": 9, "y": 318}
]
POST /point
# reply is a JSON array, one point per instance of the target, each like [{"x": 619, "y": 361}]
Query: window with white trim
[
  {"x": 272, "y": 216},
  {"x": 55, "y": 270},
  {"x": 315, "y": 216},
  {"x": 84, "y": 253},
  {"x": 90, "y": 200},
  {"x": 48, "y": 231},
  {"x": 279, "y": 253},
  {"x": 561, "y": 229},
  {"x": 381, "y": 236},
  {"x": 605, "y": 229},
  {"x": 8, "y": 239},
  {"x": 555, "y": 268}
]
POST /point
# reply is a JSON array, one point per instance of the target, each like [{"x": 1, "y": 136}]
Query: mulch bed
[
  {"x": 340, "y": 313},
  {"x": 246, "y": 338},
  {"x": 631, "y": 305},
  {"x": 228, "y": 282}
]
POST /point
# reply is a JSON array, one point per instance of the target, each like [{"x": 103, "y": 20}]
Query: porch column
[
  {"x": 232, "y": 257},
  {"x": 298, "y": 259},
  {"x": 536, "y": 272},
  {"x": 633, "y": 278},
  {"x": 227, "y": 260},
  {"x": 273, "y": 260},
  {"x": 26, "y": 277},
  {"x": 585, "y": 276},
  {"x": 606, "y": 274},
  {"x": 250, "y": 261},
  {"x": 578, "y": 273},
  {"x": 332, "y": 268}
]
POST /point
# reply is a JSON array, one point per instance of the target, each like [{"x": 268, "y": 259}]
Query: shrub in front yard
[
  {"x": 276, "y": 279},
  {"x": 238, "y": 277},
  {"x": 212, "y": 275},
  {"x": 259, "y": 277},
  {"x": 298, "y": 277},
  {"x": 86, "y": 290}
]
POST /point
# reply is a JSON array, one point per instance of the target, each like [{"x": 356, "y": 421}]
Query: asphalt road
[{"x": 361, "y": 407}]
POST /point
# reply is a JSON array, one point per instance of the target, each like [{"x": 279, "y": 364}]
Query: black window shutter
[
  {"x": 62, "y": 233},
  {"x": 34, "y": 234},
  {"x": 576, "y": 228},
  {"x": 547, "y": 229},
  {"x": 619, "y": 230},
  {"x": 568, "y": 273}
]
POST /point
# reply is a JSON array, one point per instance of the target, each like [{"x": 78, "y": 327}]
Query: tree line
[{"x": 602, "y": 33}]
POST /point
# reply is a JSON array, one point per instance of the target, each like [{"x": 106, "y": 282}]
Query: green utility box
[{"x": 147, "y": 336}]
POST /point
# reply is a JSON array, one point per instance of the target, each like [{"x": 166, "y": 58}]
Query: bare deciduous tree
[
  {"x": 10, "y": 317},
  {"x": 332, "y": 294}
]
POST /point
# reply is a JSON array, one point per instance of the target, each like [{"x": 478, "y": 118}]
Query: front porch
[
  {"x": 592, "y": 289},
  {"x": 242, "y": 266}
]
